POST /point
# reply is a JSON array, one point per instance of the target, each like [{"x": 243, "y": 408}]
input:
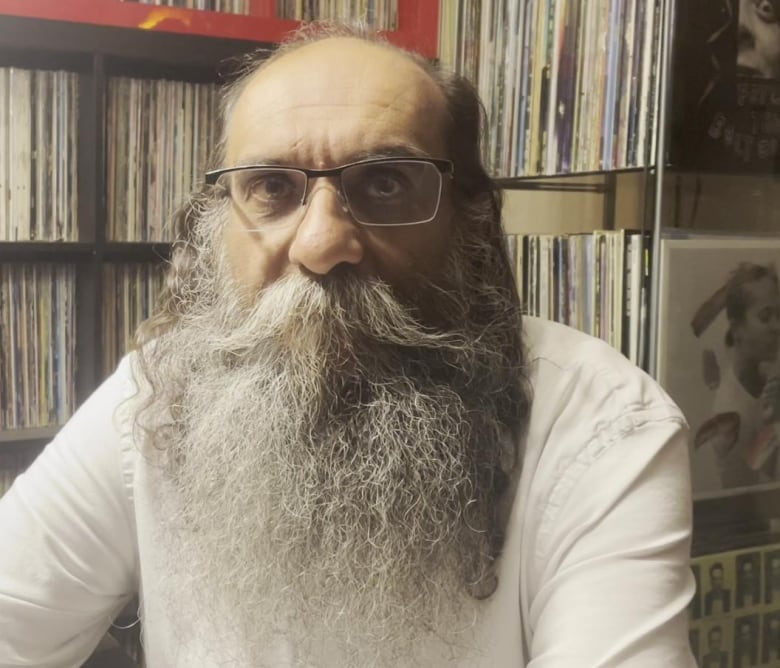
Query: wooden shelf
[
  {"x": 53, "y": 251},
  {"x": 132, "y": 251},
  {"x": 519, "y": 182},
  {"x": 31, "y": 435}
]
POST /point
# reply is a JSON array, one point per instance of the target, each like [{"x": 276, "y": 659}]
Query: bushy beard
[{"x": 333, "y": 464}]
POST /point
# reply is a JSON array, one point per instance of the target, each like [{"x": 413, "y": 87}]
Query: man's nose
[{"x": 327, "y": 236}]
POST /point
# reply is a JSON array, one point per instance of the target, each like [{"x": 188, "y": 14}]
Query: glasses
[{"x": 380, "y": 192}]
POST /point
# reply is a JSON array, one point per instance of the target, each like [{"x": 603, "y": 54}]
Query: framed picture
[
  {"x": 772, "y": 577},
  {"x": 770, "y": 645},
  {"x": 718, "y": 356},
  {"x": 745, "y": 648},
  {"x": 718, "y": 585},
  {"x": 714, "y": 644},
  {"x": 725, "y": 98}
]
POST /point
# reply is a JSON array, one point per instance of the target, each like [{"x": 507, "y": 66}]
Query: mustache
[{"x": 299, "y": 311}]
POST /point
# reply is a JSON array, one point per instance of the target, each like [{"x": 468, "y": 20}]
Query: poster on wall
[
  {"x": 734, "y": 617},
  {"x": 725, "y": 86},
  {"x": 718, "y": 357}
]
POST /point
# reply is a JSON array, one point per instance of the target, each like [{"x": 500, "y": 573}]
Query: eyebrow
[{"x": 388, "y": 151}]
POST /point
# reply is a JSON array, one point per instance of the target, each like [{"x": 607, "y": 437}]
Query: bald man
[{"x": 339, "y": 443}]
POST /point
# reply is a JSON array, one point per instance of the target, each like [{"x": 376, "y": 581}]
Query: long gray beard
[{"x": 331, "y": 470}]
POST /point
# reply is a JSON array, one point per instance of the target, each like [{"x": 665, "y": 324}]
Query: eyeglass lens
[{"x": 388, "y": 193}]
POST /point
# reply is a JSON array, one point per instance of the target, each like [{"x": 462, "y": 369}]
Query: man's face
[
  {"x": 716, "y": 579},
  {"x": 758, "y": 39},
  {"x": 325, "y": 105},
  {"x": 715, "y": 638}
]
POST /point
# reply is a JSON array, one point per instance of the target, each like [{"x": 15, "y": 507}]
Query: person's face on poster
[
  {"x": 757, "y": 334},
  {"x": 716, "y": 579},
  {"x": 758, "y": 39},
  {"x": 714, "y": 640}
]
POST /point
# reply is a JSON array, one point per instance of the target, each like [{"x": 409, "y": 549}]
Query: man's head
[
  {"x": 716, "y": 576},
  {"x": 714, "y": 638},
  {"x": 336, "y": 405}
]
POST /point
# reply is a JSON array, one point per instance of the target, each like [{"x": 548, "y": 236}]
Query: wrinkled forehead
[{"x": 327, "y": 102}]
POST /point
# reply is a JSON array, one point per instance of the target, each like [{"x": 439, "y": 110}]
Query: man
[
  {"x": 748, "y": 580},
  {"x": 716, "y": 657},
  {"x": 328, "y": 453},
  {"x": 717, "y": 600},
  {"x": 772, "y": 581},
  {"x": 746, "y": 641},
  {"x": 771, "y": 637}
]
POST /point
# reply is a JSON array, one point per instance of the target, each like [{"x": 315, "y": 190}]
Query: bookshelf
[{"x": 702, "y": 181}]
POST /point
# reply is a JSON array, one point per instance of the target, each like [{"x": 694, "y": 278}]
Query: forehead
[{"x": 331, "y": 101}]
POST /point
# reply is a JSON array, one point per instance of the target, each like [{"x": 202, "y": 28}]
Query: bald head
[{"x": 330, "y": 101}]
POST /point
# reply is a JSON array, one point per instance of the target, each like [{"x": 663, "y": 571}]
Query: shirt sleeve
[
  {"x": 611, "y": 567},
  {"x": 69, "y": 558}
]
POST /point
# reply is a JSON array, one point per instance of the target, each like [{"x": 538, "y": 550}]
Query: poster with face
[
  {"x": 758, "y": 39},
  {"x": 715, "y": 644},
  {"x": 718, "y": 344},
  {"x": 745, "y": 646},
  {"x": 718, "y": 585},
  {"x": 770, "y": 638},
  {"x": 748, "y": 579},
  {"x": 726, "y": 86},
  {"x": 772, "y": 577}
]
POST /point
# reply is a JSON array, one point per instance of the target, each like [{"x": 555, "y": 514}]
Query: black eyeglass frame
[{"x": 443, "y": 166}]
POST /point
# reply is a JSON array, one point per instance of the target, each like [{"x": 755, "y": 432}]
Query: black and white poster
[
  {"x": 725, "y": 93},
  {"x": 718, "y": 344}
]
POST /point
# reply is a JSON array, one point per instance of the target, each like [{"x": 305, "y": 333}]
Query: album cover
[
  {"x": 725, "y": 86},
  {"x": 718, "y": 342}
]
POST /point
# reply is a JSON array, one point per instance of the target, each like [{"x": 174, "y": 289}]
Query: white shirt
[{"x": 594, "y": 571}]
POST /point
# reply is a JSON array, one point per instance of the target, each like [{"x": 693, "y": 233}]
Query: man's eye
[
  {"x": 766, "y": 11},
  {"x": 270, "y": 188},
  {"x": 385, "y": 184}
]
